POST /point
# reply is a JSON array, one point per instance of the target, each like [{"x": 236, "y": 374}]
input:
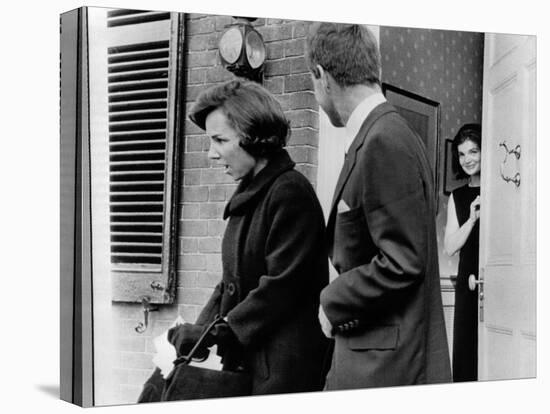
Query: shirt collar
[{"x": 359, "y": 115}]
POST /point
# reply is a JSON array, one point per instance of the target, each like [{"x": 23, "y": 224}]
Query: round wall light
[{"x": 242, "y": 50}]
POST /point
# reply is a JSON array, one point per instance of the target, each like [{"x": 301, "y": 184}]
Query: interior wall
[{"x": 446, "y": 67}]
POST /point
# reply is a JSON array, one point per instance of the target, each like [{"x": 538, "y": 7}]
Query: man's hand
[{"x": 326, "y": 326}]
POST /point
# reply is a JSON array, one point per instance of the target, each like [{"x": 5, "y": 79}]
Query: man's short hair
[
  {"x": 348, "y": 52},
  {"x": 251, "y": 110}
]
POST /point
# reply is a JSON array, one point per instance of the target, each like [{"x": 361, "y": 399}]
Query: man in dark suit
[{"x": 384, "y": 309}]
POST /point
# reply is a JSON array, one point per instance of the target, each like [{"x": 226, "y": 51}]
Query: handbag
[{"x": 187, "y": 382}]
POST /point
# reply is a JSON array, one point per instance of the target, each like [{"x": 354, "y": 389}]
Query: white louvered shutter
[{"x": 141, "y": 70}]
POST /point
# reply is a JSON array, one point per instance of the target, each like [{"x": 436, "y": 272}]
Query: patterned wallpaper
[{"x": 444, "y": 66}]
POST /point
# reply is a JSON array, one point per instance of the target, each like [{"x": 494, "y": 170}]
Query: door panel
[{"x": 507, "y": 328}]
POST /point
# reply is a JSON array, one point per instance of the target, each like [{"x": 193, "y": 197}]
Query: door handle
[{"x": 473, "y": 282}]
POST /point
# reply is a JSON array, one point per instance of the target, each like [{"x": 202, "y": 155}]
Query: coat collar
[{"x": 251, "y": 188}]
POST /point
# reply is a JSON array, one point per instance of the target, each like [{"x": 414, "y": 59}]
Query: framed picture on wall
[
  {"x": 423, "y": 115},
  {"x": 449, "y": 180}
]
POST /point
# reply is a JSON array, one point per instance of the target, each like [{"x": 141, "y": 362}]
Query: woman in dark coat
[
  {"x": 462, "y": 235},
  {"x": 273, "y": 249}
]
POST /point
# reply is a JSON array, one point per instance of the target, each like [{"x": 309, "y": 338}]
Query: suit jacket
[
  {"x": 385, "y": 305},
  {"x": 274, "y": 267}
]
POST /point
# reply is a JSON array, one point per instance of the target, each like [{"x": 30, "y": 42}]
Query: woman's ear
[{"x": 317, "y": 71}]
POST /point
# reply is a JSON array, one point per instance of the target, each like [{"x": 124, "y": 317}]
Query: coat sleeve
[
  {"x": 396, "y": 216},
  {"x": 294, "y": 278}
]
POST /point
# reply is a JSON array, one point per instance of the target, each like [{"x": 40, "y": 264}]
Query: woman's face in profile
[
  {"x": 469, "y": 157},
  {"x": 225, "y": 148}
]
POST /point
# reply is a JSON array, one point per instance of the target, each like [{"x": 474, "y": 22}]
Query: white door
[{"x": 507, "y": 314}]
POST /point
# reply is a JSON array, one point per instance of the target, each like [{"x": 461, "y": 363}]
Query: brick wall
[{"x": 205, "y": 189}]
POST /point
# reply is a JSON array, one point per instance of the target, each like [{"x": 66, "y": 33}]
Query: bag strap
[{"x": 186, "y": 359}]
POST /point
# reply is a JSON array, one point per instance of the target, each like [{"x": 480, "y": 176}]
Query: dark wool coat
[
  {"x": 386, "y": 302},
  {"x": 274, "y": 267}
]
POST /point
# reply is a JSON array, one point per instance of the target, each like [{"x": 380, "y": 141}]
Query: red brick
[
  {"x": 304, "y": 136},
  {"x": 284, "y": 100},
  {"x": 130, "y": 343},
  {"x": 295, "y": 47},
  {"x": 303, "y": 118},
  {"x": 222, "y": 22},
  {"x": 300, "y": 29},
  {"x": 303, "y": 154},
  {"x": 277, "y": 67},
  {"x": 193, "y": 228},
  {"x": 210, "y": 245},
  {"x": 218, "y": 74},
  {"x": 136, "y": 360},
  {"x": 211, "y": 210},
  {"x": 193, "y": 144},
  {"x": 194, "y": 76},
  {"x": 190, "y": 127},
  {"x": 188, "y": 245},
  {"x": 191, "y": 177},
  {"x": 206, "y": 25},
  {"x": 192, "y": 262},
  {"x": 208, "y": 279},
  {"x": 215, "y": 176},
  {"x": 217, "y": 193},
  {"x": 202, "y": 42},
  {"x": 187, "y": 279},
  {"x": 273, "y": 33},
  {"x": 274, "y": 85},
  {"x": 303, "y": 100},
  {"x": 275, "y": 50},
  {"x": 120, "y": 376},
  {"x": 310, "y": 172},
  {"x": 202, "y": 59},
  {"x": 216, "y": 227},
  {"x": 299, "y": 65},
  {"x": 195, "y": 160},
  {"x": 295, "y": 83},
  {"x": 191, "y": 194},
  {"x": 213, "y": 263}
]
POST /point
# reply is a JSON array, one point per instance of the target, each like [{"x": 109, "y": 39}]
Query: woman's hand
[{"x": 474, "y": 209}]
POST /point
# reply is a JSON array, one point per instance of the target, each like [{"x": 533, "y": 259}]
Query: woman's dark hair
[
  {"x": 468, "y": 132},
  {"x": 251, "y": 110}
]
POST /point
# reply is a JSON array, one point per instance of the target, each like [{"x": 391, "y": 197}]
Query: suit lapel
[{"x": 351, "y": 157}]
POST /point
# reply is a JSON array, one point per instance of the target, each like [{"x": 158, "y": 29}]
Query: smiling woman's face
[
  {"x": 225, "y": 148},
  {"x": 469, "y": 157}
]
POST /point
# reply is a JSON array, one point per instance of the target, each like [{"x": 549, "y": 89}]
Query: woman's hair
[
  {"x": 468, "y": 132},
  {"x": 348, "y": 52},
  {"x": 251, "y": 110}
]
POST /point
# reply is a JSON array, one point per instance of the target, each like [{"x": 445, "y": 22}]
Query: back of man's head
[{"x": 348, "y": 52}]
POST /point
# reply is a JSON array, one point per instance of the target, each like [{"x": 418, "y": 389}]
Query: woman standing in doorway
[{"x": 462, "y": 235}]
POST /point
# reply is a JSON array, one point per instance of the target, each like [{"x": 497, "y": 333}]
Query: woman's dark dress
[{"x": 465, "y": 319}]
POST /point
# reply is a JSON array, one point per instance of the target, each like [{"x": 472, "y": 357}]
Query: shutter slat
[
  {"x": 138, "y": 255},
  {"x": 135, "y": 233},
  {"x": 135, "y": 243}
]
